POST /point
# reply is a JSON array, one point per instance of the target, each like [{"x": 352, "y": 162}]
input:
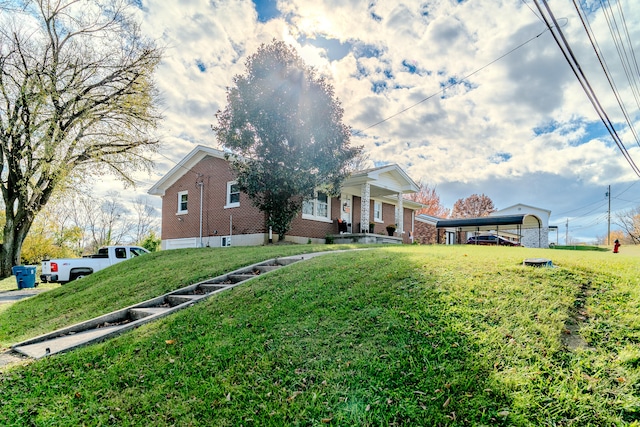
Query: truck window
[
  {"x": 121, "y": 253},
  {"x": 137, "y": 251}
]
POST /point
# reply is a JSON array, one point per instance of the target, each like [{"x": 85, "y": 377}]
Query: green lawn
[
  {"x": 398, "y": 335},
  {"x": 125, "y": 284}
]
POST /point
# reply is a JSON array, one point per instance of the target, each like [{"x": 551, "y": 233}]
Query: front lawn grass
[
  {"x": 411, "y": 335},
  {"x": 128, "y": 283}
]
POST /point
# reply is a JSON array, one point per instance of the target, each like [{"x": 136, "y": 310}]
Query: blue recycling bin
[{"x": 25, "y": 275}]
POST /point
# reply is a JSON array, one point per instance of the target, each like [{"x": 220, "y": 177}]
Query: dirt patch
[
  {"x": 10, "y": 358},
  {"x": 578, "y": 316}
]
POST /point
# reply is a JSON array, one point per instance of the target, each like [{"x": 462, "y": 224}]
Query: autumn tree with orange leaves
[
  {"x": 427, "y": 195},
  {"x": 473, "y": 206}
]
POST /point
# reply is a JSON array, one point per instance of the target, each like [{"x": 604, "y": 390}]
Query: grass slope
[
  {"x": 128, "y": 283},
  {"x": 393, "y": 336}
]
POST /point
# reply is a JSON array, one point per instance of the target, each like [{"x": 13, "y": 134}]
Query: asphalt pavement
[
  {"x": 7, "y": 297},
  {"x": 18, "y": 294}
]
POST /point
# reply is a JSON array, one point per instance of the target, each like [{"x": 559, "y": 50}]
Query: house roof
[
  {"x": 385, "y": 180},
  {"x": 429, "y": 219},
  {"x": 524, "y": 206},
  {"x": 184, "y": 166},
  {"x": 491, "y": 222}
]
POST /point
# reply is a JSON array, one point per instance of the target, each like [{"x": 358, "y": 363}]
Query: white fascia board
[
  {"x": 524, "y": 206},
  {"x": 182, "y": 167}
]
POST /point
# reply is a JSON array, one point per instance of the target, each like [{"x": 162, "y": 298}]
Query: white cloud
[{"x": 482, "y": 136}]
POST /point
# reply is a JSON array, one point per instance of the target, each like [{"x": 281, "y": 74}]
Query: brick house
[
  {"x": 426, "y": 232},
  {"x": 201, "y": 206}
]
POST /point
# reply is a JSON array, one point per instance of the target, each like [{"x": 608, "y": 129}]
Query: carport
[{"x": 491, "y": 223}]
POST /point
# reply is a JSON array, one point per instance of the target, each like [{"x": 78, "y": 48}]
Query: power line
[
  {"x": 605, "y": 68},
  {"x": 569, "y": 56},
  {"x": 453, "y": 84},
  {"x": 577, "y": 209}
]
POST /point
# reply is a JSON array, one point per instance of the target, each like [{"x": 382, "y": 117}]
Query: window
[
  {"x": 121, "y": 253},
  {"x": 377, "y": 211},
  {"x": 183, "y": 196},
  {"x": 233, "y": 195},
  {"x": 137, "y": 251},
  {"x": 318, "y": 208}
]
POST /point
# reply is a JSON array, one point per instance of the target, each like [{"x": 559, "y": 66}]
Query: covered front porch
[{"x": 373, "y": 200}]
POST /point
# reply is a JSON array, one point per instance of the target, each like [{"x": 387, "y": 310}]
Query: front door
[{"x": 346, "y": 202}]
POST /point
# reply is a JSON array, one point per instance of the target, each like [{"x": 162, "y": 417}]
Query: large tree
[
  {"x": 76, "y": 98},
  {"x": 629, "y": 222},
  {"x": 284, "y": 127},
  {"x": 473, "y": 206}
]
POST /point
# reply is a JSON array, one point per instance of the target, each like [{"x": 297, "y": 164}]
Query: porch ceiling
[{"x": 375, "y": 191}]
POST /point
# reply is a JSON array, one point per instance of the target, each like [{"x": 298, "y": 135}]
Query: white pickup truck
[{"x": 66, "y": 270}]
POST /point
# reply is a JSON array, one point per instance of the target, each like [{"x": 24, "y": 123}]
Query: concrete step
[
  {"x": 209, "y": 288},
  {"x": 237, "y": 278},
  {"x": 60, "y": 344},
  {"x": 142, "y": 312},
  {"x": 267, "y": 268},
  {"x": 111, "y": 324},
  {"x": 179, "y": 299}
]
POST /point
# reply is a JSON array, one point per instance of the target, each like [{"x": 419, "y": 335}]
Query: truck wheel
[{"x": 78, "y": 274}]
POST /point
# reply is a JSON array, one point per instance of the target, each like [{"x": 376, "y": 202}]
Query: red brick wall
[
  {"x": 426, "y": 234},
  {"x": 316, "y": 229},
  {"x": 355, "y": 218},
  {"x": 406, "y": 219},
  {"x": 214, "y": 173},
  {"x": 388, "y": 217}
]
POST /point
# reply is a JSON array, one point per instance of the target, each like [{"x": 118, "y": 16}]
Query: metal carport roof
[{"x": 486, "y": 223}]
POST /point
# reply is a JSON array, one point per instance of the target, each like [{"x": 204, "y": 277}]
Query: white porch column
[
  {"x": 400, "y": 216},
  {"x": 365, "y": 195}
]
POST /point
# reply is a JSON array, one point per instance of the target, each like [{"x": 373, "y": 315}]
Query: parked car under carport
[{"x": 491, "y": 239}]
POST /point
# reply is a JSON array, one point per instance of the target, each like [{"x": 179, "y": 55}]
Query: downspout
[{"x": 201, "y": 185}]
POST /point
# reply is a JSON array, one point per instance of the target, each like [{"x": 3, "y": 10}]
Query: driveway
[{"x": 18, "y": 294}]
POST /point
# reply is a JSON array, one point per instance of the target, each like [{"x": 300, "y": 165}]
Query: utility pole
[
  {"x": 609, "y": 217},
  {"x": 566, "y": 236}
]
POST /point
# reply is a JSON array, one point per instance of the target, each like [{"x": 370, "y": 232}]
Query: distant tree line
[{"x": 77, "y": 224}]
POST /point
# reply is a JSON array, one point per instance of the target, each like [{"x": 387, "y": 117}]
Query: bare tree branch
[{"x": 77, "y": 96}]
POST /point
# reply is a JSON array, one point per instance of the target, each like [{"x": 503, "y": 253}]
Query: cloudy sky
[{"x": 490, "y": 107}]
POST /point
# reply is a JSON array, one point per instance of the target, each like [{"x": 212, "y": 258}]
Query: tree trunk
[
  {"x": 14, "y": 234},
  {"x": 10, "y": 252}
]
